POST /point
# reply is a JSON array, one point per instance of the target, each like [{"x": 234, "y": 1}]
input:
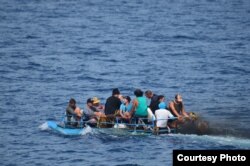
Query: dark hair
[
  {"x": 128, "y": 98},
  {"x": 89, "y": 100},
  {"x": 176, "y": 95},
  {"x": 138, "y": 93},
  {"x": 148, "y": 92},
  {"x": 160, "y": 97},
  {"x": 72, "y": 101},
  {"x": 115, "y": 91}
]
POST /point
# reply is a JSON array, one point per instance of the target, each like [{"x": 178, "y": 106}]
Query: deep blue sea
[{"x": 51, "y": 51}]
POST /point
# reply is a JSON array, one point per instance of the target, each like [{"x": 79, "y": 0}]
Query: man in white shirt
[{"x": 162, "y": 116}]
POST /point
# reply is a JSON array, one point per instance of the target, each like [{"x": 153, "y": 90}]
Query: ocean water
[{"x": 51, "y": 51}]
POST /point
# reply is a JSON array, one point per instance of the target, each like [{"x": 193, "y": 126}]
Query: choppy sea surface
[{"x": 51, "y": 51}]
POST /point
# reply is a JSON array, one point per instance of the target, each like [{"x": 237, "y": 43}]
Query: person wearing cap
[
  {"x": 125, "y": 107},
  {"x": 162, "y": 116},
  {"x": 97, "y": 105},
  {"x": 113, "y": 102},
  {"x": 154, "y": 100},
  {"x": 89, "y": 110},
  {"x": 90, "y": 113},
  {"x": 177, "y": 108}
]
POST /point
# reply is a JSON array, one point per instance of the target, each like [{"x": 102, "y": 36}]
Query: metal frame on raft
[
  {"x": 141, "y": 126},
  {"x": 138, "y": 125}
]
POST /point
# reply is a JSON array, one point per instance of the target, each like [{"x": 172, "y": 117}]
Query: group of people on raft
[{"x": 122, "y": 106}]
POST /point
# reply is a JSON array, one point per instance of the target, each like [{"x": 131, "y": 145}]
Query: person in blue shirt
[{"x": 125, "y": 107}]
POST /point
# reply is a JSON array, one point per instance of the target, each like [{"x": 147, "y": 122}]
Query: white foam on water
[
  {"x": 86, "y": 130},
  {"x": 44, "y": 126}
]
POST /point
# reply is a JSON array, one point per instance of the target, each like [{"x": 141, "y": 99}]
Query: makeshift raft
[{"x": 135, "y": 125}]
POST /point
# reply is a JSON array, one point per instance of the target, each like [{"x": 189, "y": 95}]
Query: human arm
[
  {"x": 174, "y": 111},
  {"x": 184, "y": 113},
  {"x": 78, "y": 112},
  {"x": 88, "y": 111},
  {"x": 172, "y": 108},
  {"x": 170, "y": 115},
  {"x": 92, "y": 108},
  {"x": 134, "y": 106},
  {"x": 70, "y": 110},
  {"x": 121, "y": 109}
]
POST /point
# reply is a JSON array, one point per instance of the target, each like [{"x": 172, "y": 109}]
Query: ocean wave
[
  {"x": 44, "y": 126},
  {"x": 221, "y": 140}
]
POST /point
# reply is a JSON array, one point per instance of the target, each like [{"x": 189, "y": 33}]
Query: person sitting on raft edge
[
  {"x": 113, "y": 102},
  {"x": 162, "y": 116},
  {"x": 90, "y": 112},
  {"x": 97, "y": 107},
  {"x": 125, "y": 107},
  {"x": 97, "y": 104},
  {"x": 73, "y": 112},
  {"x": 139, "y": 108},
  {"x": 177, "y": 108},
  {"x": 154, "y": 100}
]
